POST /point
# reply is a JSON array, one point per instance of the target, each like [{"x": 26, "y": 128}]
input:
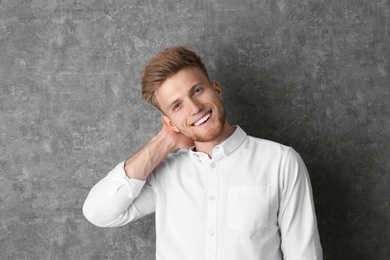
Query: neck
[{"x": 207, "y": 147}]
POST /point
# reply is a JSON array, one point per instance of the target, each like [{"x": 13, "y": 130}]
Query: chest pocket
[{"x": 248, "y": 208}]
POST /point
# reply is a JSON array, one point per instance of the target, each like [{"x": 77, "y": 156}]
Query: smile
[{"x": 203, "y": 119}]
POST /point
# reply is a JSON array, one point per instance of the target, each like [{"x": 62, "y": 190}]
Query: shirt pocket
[{"x": 248, "y": 208}]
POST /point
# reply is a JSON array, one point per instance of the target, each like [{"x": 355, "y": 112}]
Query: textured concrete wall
[{"x": 312, "y": 74}]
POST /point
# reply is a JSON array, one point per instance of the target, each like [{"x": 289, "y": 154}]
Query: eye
[
  {"x": 197, "y": 90},
  {"x": 176, "y": 106}
]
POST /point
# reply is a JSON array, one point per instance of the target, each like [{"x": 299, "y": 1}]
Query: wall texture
[{"x": 312, "y": 74}]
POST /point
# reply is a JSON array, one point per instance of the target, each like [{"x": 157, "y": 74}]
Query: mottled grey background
[{"x": 312, "y": 74}]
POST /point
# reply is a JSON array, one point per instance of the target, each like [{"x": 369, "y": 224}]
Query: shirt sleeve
[
  {"x": 116, "y": 199},
  {"x": 297, "y": 219}
]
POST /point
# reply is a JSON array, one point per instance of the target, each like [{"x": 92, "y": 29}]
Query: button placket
[{"x": 212, "y": 210}]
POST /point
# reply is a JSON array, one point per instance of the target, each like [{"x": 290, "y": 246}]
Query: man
[{"x": 216, "y": 192}]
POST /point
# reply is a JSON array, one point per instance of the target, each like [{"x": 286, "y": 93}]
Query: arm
[
  {"x": 297, "y": 219},
  {"x": 141, "y": 164},
  {"x": 124, "y": 194}
]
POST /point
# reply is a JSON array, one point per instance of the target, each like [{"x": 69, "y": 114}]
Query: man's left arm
[{"x": 297, "y": 218}]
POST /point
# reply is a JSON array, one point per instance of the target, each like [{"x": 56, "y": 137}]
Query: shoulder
[
  {"x": 271, "y": 150},
  {"x": 265, "y": 145},
  {"x": 174, "y": 160},
  {"x": 170, "y": 166},
  {"x": 177, "y": 156}
]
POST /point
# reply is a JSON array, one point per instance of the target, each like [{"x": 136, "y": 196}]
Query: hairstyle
[{"x": 166, "y": 63}]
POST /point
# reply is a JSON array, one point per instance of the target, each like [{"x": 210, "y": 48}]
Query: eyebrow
[{"x": 190, "y": 91}]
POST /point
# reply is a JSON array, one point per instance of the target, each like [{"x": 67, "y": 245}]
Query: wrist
[{"x": 166, "y": 141}]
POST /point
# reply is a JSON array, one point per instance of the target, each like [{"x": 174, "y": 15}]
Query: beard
[{"x": 212, "y": 133}]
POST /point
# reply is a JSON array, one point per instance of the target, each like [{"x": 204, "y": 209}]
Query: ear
[
  {"x": 217, "y": 89},
  {"x": 166, "y": 121}
]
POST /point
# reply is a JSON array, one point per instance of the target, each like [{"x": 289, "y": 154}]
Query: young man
[{"x": 216, "y": 192}]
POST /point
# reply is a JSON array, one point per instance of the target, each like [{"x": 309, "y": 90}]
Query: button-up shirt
[{"x": 252, "y": 200}]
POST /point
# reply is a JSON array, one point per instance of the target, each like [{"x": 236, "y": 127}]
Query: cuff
[{"x": 134, "y": 185}]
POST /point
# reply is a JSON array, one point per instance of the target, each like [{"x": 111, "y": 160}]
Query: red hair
[{"x": 166, "y": 63}]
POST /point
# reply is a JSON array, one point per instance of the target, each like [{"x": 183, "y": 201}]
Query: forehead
[{"x": 179, "y": 83}]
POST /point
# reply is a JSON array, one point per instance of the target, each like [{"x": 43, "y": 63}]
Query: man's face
[{"x": 192, "y": 105}]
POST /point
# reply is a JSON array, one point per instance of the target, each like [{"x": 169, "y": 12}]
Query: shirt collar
[{"x": 225, "y": 148}]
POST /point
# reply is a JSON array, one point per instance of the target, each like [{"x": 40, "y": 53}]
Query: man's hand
[
  {"x": 177, "y": 140},
  {"x": 142, "y": 163}
]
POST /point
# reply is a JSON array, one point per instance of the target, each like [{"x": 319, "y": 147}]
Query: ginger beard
[{"x": 212, "y": 133}]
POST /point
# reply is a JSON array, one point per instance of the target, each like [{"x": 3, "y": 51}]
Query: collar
[{"x": 224, "y": 149}]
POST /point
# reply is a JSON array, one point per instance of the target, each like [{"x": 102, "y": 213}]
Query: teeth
[{"x": 203, "y": 119}]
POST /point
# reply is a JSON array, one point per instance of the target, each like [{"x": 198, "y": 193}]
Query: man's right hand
[
  {"x": 177, "y": 140},
  {"x": 142, "y": 163}
]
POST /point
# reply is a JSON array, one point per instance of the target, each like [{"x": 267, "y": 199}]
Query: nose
[{"x": 194, "y": 106}]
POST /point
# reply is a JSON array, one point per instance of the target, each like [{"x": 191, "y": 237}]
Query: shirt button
[
  {"x": 212, "y": 165},
  {"x": 211, "y": 233},
  {"x": 211, "y": 198}
]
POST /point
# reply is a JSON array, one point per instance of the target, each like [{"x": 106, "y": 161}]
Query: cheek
[
  {"x": 217, "y": 102},
  {"x": 182, "y": 120},
  {"x": 178, "y": 120}
]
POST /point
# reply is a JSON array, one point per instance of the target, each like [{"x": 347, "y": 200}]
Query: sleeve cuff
[{"x": 134, "y": 185}]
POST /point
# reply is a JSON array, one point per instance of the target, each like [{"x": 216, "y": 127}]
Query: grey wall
[{"x": 312, "y": 74}]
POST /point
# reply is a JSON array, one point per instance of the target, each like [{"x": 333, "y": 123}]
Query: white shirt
[{"x": 252, "y": 200}]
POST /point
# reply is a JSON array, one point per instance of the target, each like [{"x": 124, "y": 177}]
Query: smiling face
[{"x": 192, "y": 105}]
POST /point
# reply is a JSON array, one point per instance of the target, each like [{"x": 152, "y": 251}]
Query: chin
[{"x": 210, "y": 135}]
